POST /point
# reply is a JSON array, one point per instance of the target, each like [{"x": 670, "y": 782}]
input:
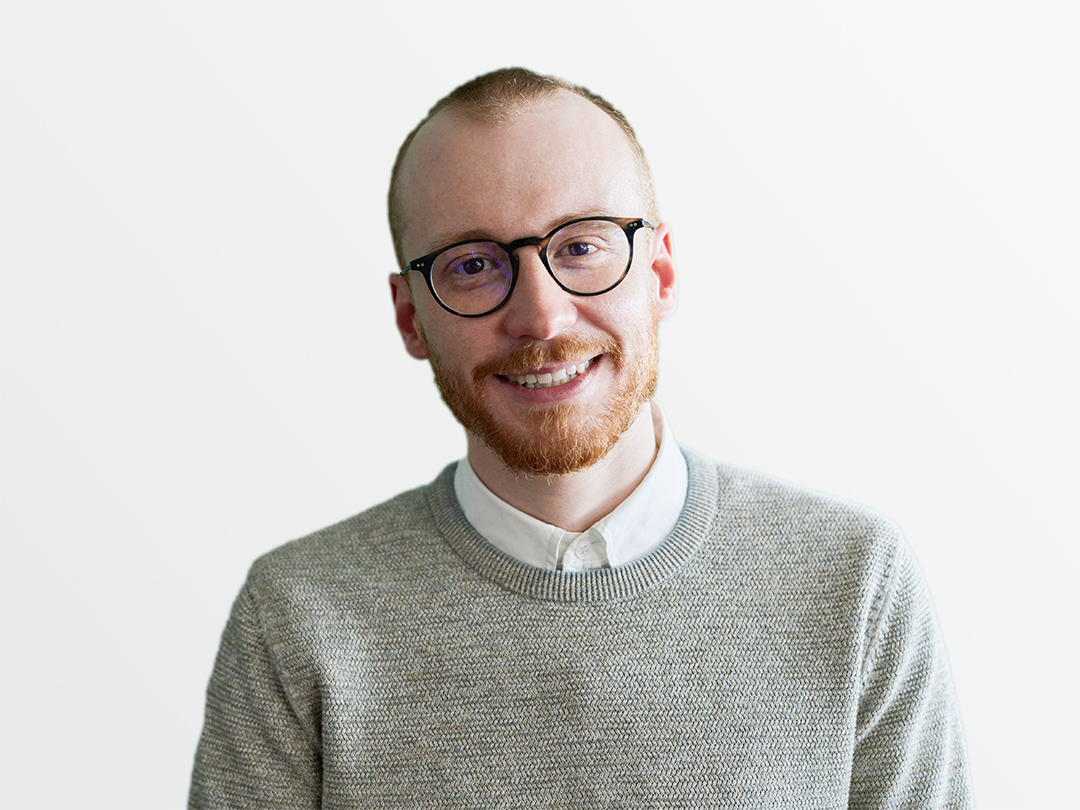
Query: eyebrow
[{"x": 474, "y": 235}]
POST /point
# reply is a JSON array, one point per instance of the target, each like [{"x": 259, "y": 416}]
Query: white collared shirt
[{"x": 636, "y": 526}]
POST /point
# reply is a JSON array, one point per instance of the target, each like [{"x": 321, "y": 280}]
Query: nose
[{"x": 539, "y": 308}]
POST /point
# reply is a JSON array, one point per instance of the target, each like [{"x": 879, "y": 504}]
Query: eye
[
  {"x": 472, "y": 265},
  {"x": 470, "y": 262},
  {"x": 578, "y": 249}
]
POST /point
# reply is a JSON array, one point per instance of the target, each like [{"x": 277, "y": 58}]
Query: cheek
[
  {"x": 626, "y": 313},
  {"x": 454, "y": 342}
]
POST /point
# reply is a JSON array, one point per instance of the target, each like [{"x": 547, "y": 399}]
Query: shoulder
[
  {"x": 390, "y": 535},
  {"x": 776, "y": 523},
  {"x": 754, "y": 495},
  {"x": 750, "y": 497}
]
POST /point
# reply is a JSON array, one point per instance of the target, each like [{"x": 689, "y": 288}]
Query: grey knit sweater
[{"x": 778, "y": 650}]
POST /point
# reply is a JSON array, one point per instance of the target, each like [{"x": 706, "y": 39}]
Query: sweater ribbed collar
[{"x": 693, "y": 526}]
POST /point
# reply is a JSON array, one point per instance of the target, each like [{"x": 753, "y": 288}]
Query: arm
[
  {"x": 256, "y": 750},
  {"x": 909, "y": 747}
]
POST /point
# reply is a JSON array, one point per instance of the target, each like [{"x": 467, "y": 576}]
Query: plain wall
[{"x": 875, "y": 218}]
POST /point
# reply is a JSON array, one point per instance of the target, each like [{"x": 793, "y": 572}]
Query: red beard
[{"x": 559, "y": 438}]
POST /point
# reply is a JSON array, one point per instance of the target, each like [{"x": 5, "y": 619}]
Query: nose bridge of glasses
[
  {"x": 539, "y": 242},
  {"x": 529, "y": 241}
]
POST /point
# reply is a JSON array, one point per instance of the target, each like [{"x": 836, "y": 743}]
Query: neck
[{"x": 573, "y": 502}]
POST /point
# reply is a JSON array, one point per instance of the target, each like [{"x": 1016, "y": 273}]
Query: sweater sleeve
[
  {"x": 909, "y": 748},
  {"x": 255, "y": 751}
]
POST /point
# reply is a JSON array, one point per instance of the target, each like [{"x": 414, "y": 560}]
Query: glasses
[{"x": 585, "y": 257}]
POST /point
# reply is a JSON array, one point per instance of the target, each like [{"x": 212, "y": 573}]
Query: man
[{"x": 580, "y": 613}]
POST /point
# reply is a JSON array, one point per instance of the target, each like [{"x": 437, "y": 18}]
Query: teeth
[{"x": 560, "y": 377}]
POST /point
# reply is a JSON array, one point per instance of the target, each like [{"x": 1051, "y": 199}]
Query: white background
[{"x": 875, "y": 209}]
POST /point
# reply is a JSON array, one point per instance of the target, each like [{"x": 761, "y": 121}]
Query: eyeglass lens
[{"x": 586, "y": 257}]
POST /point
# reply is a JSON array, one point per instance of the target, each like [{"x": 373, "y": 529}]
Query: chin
[{"x": 551, "y": 440}]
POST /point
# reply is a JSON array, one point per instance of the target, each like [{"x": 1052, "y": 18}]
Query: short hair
[{"x": 495, "y": 98}]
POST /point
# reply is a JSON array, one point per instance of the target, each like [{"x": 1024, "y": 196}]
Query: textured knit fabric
[{"x": 778, "y": 650}]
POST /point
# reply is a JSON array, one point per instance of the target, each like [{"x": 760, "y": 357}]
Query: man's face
[{"x": 557, "y": 160}]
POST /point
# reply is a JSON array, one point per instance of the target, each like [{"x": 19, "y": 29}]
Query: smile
[{"x": 560, "y": 377}]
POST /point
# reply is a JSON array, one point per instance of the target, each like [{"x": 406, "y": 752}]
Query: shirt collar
[{"x": 634, "y": 528}]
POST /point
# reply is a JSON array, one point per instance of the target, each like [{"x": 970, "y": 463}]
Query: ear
[
  {"x": 662, "y": 261},
  {"x": 406, "y": 318}
]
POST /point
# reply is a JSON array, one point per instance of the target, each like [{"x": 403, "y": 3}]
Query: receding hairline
[{"x": 497, "y": 99}]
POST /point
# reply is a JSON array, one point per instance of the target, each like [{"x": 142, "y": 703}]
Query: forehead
[{"x": 556, "y": 158}]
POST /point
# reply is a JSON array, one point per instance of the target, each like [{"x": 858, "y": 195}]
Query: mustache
[{"x": 531, "y": 356}]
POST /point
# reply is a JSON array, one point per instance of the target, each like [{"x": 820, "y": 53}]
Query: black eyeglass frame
[{"x": 630, "y": 226}]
